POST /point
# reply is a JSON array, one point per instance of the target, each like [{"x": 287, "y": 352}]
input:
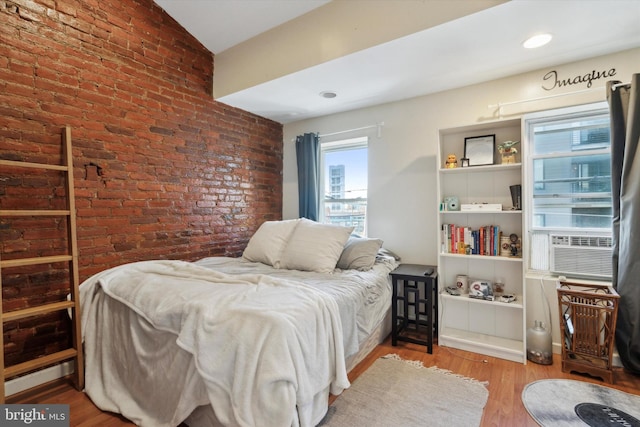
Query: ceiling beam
[{"x": 337, "y": 29}]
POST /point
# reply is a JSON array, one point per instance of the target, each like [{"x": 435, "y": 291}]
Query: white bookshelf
[{"x": 492, "y": 328}]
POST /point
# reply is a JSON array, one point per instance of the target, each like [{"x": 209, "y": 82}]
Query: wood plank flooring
[{"x": 506, "y": 382}]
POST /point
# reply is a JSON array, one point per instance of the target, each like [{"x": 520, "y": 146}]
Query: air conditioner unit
[{"x": 575, "y": 255}]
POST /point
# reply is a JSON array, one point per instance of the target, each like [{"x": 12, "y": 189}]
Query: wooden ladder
[{"x": 73, "y": 304}]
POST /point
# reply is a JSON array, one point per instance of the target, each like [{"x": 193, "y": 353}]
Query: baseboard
[
  {"x": 615, "y": 360},
  {"x": 34, "y": 379}
]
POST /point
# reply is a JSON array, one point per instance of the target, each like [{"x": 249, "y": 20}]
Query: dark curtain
[
  {"x": 624, "y": 105},
  {"x": 308, "y": 156}
]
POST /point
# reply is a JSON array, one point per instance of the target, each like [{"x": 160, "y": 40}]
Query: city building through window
[
  {"x": 570, "y": 206},
  {"x": 344, "y": 176}
]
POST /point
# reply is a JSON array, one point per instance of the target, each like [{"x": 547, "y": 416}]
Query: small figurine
[
  {"x": 513, "y": 237},
  {"x": 452, "y": 162},
  {"x": 508, "y": 151}
]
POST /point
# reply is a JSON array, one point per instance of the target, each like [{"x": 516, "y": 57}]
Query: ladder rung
[
  {"x": 40, "y": 362},
  {"x": 33, "y": 165},
  {"x": 34, "y": 212},
  {"x": 34, "y": 261},
  {"x": 71, "y": 257},
  {"x": 33, "y": 311}
]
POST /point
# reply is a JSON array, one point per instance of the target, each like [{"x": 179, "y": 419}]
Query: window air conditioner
[{"x": 588, "y": 256}]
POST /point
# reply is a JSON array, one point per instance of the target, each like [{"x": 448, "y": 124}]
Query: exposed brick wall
[{"x": 161, "y": 170}]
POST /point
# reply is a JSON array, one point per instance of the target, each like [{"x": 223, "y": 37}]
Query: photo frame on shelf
[{"x": 480, "y": 150}]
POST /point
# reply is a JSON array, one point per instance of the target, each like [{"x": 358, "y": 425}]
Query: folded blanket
[{"x": 261, "y": 345}]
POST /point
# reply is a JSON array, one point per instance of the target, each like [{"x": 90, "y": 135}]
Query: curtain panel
[
  {"x": 308, "y": 159},
  {"x": 624, "y": 106}
]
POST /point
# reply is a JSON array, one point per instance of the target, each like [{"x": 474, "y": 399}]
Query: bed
[{"x": 251, "y": 341}]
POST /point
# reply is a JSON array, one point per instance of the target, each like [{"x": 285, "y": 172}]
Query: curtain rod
[
  {"x": 377, "y": 125},
  {"x": 522, "y": 101},
  {"x": 616, "y": 86},
  {"x": 502, "y": 104}
]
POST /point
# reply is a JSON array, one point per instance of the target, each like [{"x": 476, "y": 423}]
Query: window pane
[
  {"x": 572, "y": 174},
  {"x": 563, "y": 136},
  {"x": 345, "y": 187},
  {"x": 568, "y": 155}
]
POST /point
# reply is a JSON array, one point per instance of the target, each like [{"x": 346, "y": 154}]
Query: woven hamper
[{"x": 588, "y": 315}]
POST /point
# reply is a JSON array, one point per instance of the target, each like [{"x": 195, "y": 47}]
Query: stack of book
[{"x": 465, "y": 240}]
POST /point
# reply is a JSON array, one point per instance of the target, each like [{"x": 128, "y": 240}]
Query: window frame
[
  {"x": 529, "y": 121},
  {"x": 335, "y": 146},
  {"x": 539, "y": 238}
]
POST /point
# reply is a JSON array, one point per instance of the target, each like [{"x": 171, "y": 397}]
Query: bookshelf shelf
[
  {"x": 489, "y": 168},
  {"x": 465, "y": 298},
  {"x": 502, "y": 212},
  {"x": 492, "y": 328},
  {"x": 489, "y": 345},
  {"x": 488, "y": 258}
]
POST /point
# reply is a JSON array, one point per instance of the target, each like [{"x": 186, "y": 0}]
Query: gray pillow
[
  {"x": 314, "y": 247},
  {"x": 359, "y": 253},
  {"x": 268, "y": 242}
]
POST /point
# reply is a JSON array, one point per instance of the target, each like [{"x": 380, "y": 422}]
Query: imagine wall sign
[{"x": 552, "y": 79}]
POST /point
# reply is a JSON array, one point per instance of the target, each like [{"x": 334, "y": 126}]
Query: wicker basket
[{"x": 588, "y": 315}]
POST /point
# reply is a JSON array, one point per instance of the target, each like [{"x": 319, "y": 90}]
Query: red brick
[{"x": 183, "y": 177}]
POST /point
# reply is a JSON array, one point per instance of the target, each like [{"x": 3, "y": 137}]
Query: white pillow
[
  {"x": 359, "y": 254},
  {"x": 268, "y": 241},
  {"x": 314, "y": 247}
]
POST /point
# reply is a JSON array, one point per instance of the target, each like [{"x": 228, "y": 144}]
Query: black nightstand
[{"x": 414, "y": 306}]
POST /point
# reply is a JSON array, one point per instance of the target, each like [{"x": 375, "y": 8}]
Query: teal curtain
[
  {"x": 308, "y": 156},
  {"x": 624, "y": 105}
]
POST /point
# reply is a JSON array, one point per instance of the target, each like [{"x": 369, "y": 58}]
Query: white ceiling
[
  {"x": 480, "y": 47},
  {"x": 221, "y": 24}
]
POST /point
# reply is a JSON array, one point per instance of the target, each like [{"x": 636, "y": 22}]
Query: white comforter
[
  {"x": 259, "y": 344},
  {"x": 164, "y": 337}
]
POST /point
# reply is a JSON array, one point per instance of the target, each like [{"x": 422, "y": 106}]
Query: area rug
[
  {"x": 396, "y": 392},
  {"x": 560, "y": 403}
]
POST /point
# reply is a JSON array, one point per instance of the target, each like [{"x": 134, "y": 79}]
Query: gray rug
[
  {"x": 560, "y": 403},
  {"x": 395, "y": 392}
]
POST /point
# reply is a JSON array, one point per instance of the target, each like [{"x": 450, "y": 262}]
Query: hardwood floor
[{"x": 506, "y": 382}]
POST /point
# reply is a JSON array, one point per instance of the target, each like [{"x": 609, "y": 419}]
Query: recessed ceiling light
[
  {"x": 328, "y": 94},
  {"x": 537, "y": 41}
]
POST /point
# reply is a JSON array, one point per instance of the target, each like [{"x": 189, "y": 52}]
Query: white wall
[
  {"x": 402, "y": 163},
  {"x": 402, "y": 203}
]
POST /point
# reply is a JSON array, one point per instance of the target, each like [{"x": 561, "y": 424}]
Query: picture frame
[{"x": 480, "y": 150}]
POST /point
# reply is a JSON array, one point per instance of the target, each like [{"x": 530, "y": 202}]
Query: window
[
  {"x": 344, "y": 183},
  {"x": 569, "y": 174}
]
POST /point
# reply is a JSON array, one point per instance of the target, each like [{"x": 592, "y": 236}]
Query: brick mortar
[{"x": 162, "y": 171}]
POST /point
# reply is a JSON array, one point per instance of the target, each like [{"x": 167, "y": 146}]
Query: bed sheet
[
  {"x": 126, "y": 353},
  {"x": 363, "y": 297}
]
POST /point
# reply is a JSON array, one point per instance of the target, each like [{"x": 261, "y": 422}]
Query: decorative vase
[{"x": 539, "y": 344}]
